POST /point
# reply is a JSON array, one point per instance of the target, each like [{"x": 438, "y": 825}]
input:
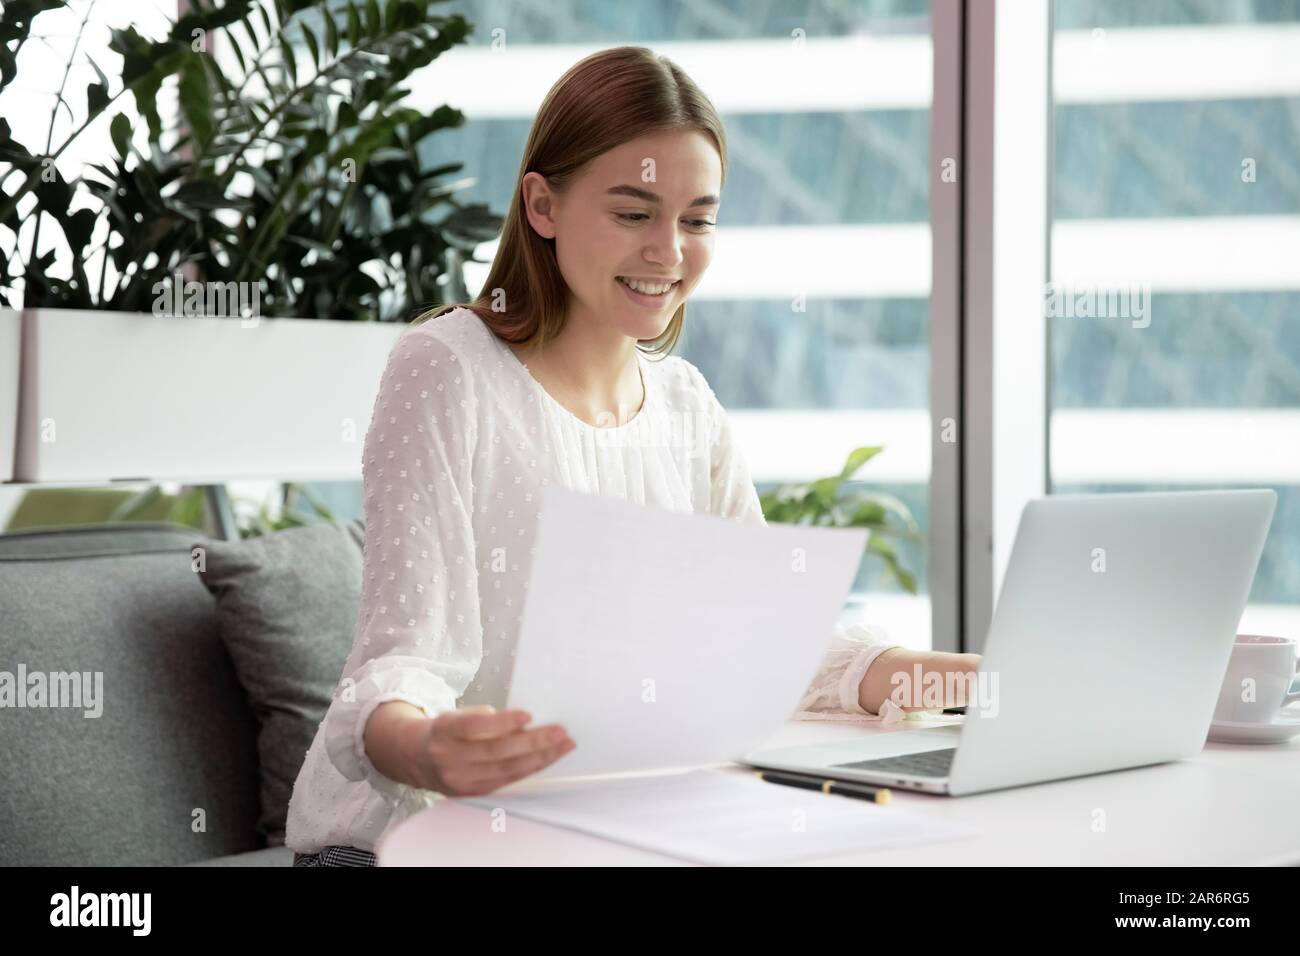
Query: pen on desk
[{"x": 878, "y": 795}]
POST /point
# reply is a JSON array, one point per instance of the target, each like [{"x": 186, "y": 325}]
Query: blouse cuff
[
  {"x": 384, "y": 680},
  {"x": 834, "y": 693},
  {"x": 850, "y": 683}
]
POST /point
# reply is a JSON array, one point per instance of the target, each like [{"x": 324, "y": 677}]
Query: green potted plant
[
  {"x": 291, "y": 178},
  {"x": 834, "y": 502}
]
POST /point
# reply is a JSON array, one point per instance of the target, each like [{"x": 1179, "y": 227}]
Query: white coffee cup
[{"x": 1258, "y": 683}]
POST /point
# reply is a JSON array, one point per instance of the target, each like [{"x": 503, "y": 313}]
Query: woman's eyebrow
[{"x": 637, "y": 193}]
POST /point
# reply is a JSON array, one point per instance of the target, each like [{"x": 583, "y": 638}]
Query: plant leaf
[
  {"x": 857, "y": 458},
  {"x": 312, "y": 45},
  {"x": 266, "y": 22},
  {"x": 354, "y": 25},
  {"x": 885, "y": 551},
  {"x": 97, "y": 93},
  {"x": 119, "y": 130},
  {"x": 290, "y": 61},
  {"x": 331, "y": 35},
  {"x": 196, "y": 100},
  {"x": 892, "y": 504},
  {"x": 96, "y": 97},
  {"x": 826, "y": 490}
]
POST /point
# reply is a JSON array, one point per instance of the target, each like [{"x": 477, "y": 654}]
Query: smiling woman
[
  {"x": 609, "y": 232},
  {"x": 619, "y": 188}
]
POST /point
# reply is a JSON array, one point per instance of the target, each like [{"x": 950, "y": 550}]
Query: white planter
[
  {"x": 10, "y": 343},
  {"x": 110, "y": 396}
]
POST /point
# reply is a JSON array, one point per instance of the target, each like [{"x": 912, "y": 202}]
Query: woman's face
[{"x": 643, "y": 212}]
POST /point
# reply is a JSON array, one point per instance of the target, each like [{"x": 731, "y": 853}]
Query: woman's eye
[{"x": 640, "y": 217}]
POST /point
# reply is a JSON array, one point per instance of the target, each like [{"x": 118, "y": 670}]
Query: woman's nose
[{"x": 665, "y": 247}]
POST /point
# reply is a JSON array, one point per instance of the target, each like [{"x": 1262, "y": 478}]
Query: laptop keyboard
[{"x": 931, "y": 763}]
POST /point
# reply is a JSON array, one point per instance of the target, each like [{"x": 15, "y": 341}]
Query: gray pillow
[{"x": 286, "y": 607}]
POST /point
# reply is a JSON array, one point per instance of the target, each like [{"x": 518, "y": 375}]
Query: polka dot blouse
[{"x": 461, "y": 442}]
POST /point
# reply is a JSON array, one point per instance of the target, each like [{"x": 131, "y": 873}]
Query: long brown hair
[{"x": 603, "y": 101}]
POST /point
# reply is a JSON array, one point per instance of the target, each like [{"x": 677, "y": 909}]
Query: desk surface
[{"x": 1230, "y": 805}]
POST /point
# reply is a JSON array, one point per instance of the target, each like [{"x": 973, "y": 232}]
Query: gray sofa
[{"x": 168, "y": 773}]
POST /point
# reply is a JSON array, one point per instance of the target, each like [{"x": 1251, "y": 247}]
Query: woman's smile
[{"x": 650, "y": 293}]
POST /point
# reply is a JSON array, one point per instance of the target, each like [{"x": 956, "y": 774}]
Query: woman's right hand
[{"x": 472, "y": 751}]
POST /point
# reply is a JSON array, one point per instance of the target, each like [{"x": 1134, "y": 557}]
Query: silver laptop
[{"x": 1107, "y": 648}]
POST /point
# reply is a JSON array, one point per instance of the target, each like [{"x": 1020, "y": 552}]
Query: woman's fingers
[
  {"x": 483, "y": 721},
  {"x": 502, "y": 773},
  {"x": 481, "y": 734},
  {"x": 477, "y": 749},
  {"x": 516, "y": 744}
]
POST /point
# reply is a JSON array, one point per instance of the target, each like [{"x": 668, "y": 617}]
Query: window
[{"x": 1175, "y": 187}]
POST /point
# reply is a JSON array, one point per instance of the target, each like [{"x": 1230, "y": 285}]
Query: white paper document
[
  {"x": 662, "y": 639},
  {"x": 723, "y": 818},
  {"x": 665, "y": 642}
]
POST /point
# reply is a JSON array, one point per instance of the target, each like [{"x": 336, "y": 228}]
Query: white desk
[{"x": 1231, "y": 805}]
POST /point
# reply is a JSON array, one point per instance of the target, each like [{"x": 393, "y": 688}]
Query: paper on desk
[
  {"x": 726, "y": 818},
  {"x": 662, "y": 639}
]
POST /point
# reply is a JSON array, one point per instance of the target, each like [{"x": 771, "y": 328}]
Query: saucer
[{"x": 1284, "y": 726}]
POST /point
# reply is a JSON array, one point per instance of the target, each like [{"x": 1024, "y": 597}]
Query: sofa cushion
[
  {"x": 270, "y": 856},
  {"x": 167, "y": 773},
  {"x": 287, "y": 605}
]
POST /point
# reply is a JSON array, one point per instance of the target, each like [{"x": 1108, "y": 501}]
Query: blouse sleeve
[
  {"x": 418, "y": 636},
  {"x": 833, "y": 692}
]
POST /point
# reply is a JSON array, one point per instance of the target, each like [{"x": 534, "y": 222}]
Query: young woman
[{"x": 542, "y": 379}]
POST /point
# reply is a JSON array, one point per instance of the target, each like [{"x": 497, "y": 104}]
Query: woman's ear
[{"x": 539, "y": 204}]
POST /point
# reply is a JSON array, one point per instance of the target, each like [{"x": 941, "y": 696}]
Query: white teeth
[{"x": 647, "y": 288}]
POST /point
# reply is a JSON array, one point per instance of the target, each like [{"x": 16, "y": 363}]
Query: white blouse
[{"x": 460, "y": 443}]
